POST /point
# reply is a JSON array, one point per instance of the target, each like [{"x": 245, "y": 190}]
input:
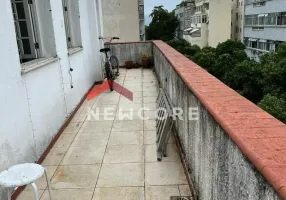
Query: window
[
  {"x": 237, "y": 16},
  {"x": 253, "y": 44},
  {"x": 26, "y": 32},
  {"x": 261, "y": 19},
  {"x": 281, "y": 19},
  {"x": 266, "y": 19},
  {"x": 257, "y": 28},
  {"x": 259, "y": 4},
  {"x": 34, "y": 29},
  {"x": 237, "y": 3},
  {"x": 271, "y": 19},
  {"x": 236, "y": 29},
  {"x": 250, "y": 42},
  {"x": 264, "y": 45},
  {"x": 240, "y": 30},
  {"x": 204, "y": 19},
  {"x": 72, "y": 23}
]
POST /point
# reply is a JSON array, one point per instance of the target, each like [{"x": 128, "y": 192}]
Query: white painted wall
[
  {"x": 33, "y": 106},
  {"x": 121, "y": 19},
  {"x": 200, "y": 41},
  {"x": 219, "y": 21}
]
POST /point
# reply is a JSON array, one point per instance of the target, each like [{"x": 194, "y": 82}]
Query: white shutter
[
  {"x": 25, "y": 31},
  {"x": 67, "y": 23}
]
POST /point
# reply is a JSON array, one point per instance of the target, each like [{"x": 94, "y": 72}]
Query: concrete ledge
[
  {"x": 259, "y": 136},
  {"x": 37, "y": 63}
]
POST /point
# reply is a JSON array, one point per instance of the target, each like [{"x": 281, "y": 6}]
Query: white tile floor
[{"x": 114, "y": 159}]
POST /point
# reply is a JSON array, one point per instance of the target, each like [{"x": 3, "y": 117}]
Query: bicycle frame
[
  {"x": 107, "y": 55},
  {"x": 106, "y": 42}
]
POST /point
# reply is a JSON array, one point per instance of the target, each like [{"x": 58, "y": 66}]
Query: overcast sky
[{"x": 150, "y": 4}]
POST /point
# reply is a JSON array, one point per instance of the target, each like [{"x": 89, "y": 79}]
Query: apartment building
[
  {"x": 264, "y": 27},
  {"x": 237, "y": 19},
  {"x": 212, "y": 22},
  {"x": 124, "y": 19},
  {"x": 180, "y": 13}
]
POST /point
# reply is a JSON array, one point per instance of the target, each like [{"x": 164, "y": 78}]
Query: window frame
[
  {"x": 67, "y": 23},
  {"x": 31, "y": 28},
  {"x": 72, "y": 23}
]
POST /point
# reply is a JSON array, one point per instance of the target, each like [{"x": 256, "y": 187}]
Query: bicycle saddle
[{"x": 104, "y": 50}]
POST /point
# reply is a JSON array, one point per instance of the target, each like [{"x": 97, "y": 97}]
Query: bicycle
[{"x": 111, "y": 63}]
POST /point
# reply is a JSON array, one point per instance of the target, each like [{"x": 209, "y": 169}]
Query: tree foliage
[
  {"x": 274, "y": 105},
  {"x": 263, "y": 83},
  {"x": 163, "y": 25}
]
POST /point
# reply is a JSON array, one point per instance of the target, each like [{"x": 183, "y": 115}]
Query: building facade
[
  {"x": 49, "y": 60},
  {"x": 264, "y": 27},
  {"x": 212, "y": 22},
  {"x": 180, "y": 14},
  {"x": 237, "y": 19},
  {"x": 124, "y": 19}
]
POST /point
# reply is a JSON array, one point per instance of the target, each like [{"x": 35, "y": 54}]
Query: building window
[
  {"x": 278, "y": 19},
  {"x": 240, "y": 30},
  {"x": 236, "y": 29},
  {"x": 281, "y": 19},
  {"x": 34, "y": 29},
  {"x": 237, "y": 16},
  {"x": 259, "y": 4},
  {"x": 204, "y": 19},
  {"x": 26, "y": 30},
  {"x": 264, "y": 45},
  {"x": 72, "y": 23},
  {"x": 261, "y": 19}
]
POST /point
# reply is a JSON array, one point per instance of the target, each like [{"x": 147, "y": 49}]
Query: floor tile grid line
[
  {"x": 180, "y": 190},
  {"x": 143, "y": 137},
  {"x": 106, "y": 147},
  {"x": 46, "y": 188}
]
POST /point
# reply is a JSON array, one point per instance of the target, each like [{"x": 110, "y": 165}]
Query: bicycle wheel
[
  {"x": 109, "y": 75},
  {"x": 115, "y": 65}
]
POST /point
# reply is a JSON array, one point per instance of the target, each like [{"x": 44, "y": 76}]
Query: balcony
[{"x": 231, "y": 146}]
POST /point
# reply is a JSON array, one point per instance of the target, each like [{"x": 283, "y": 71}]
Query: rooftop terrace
[
  {"x": 234, "y": 150},
  {"x": 97, "y": 159}
]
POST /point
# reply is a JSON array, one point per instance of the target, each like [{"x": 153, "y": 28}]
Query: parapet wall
[{"x": 235, "y": 150}]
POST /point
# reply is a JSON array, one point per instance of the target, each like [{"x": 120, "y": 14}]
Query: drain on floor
[{"x": 180, "y": 198}]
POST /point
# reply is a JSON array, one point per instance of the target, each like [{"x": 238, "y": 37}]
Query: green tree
[
  {"x": 274, "y": 105},
  {"x": 163, "y": 25},
  {"x": 274, "y": 77},
  {"x": 223, "y": 64},
  {"x": 180, "y": 45},
  {"x": 245, "y": 79},
  {"x": 229, "y": 47},
  {"x": 205, "y": 59},
  {"x": 281, "y": 50}
]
